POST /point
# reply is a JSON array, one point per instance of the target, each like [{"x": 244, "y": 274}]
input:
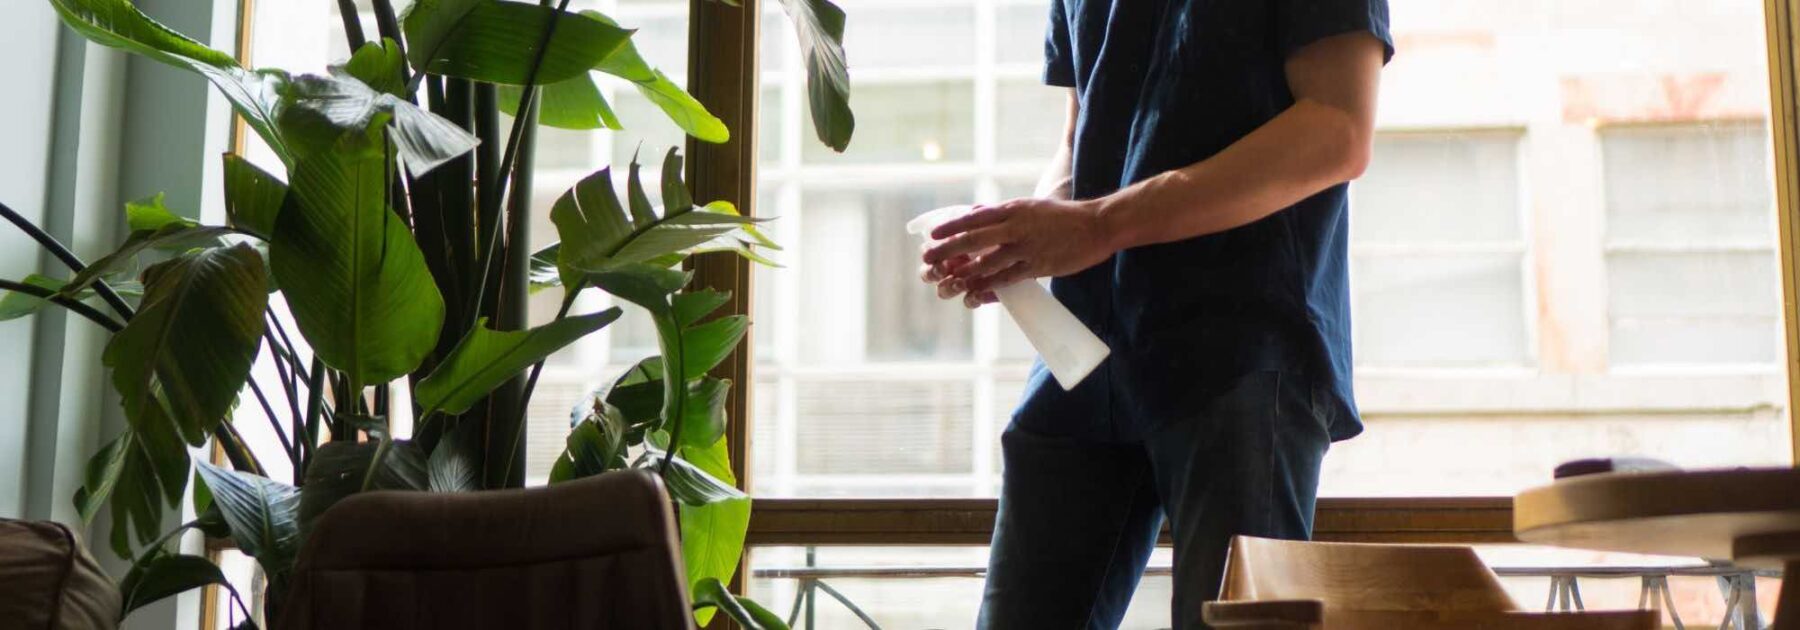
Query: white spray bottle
[{"x": 1068, "y": 348}]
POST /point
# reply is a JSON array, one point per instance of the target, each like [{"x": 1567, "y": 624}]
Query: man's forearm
[
  {"x": 1058, "y": 180},
  {"x": 1304, "y": 150}
]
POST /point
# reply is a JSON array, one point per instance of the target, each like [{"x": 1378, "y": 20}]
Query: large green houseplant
[{"x": 396, "y": 240}]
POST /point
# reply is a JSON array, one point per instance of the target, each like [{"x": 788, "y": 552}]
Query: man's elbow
[
  {"x": 1346, "y": 143},
  {"x": 1353, "y": 147}
]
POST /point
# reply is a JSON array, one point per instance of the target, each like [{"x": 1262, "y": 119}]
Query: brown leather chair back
[
  {"x": 593, "y": 553},
  {"x": 48, "y": 581}
]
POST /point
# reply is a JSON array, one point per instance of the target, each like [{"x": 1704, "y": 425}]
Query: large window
[{"x": 1566, "y": 247}]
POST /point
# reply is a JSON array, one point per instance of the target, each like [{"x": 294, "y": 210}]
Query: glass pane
[
  {"x": 1694, "y": 308},
  {"x": 1020, "y": 33},
  {"x": 919, "y": 122},
  {"x": 1689, "y": 184},
  {"x": 884, "y": 36},
  {"x": 906, "y": 587},
  {"x": 1439, "y": 310},
  {"x": 1439, "y": 189},
  {"x": 1030, "y": 121}
]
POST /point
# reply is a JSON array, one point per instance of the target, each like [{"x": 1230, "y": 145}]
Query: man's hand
[{"x": 997, "y": 245}]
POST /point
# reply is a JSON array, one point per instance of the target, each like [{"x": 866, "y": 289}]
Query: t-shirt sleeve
[
  {"x": 1059, "y": 53},
  {"x": 1302, "y": 22}
]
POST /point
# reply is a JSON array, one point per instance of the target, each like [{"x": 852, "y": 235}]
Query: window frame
[{"x": 722, "y": 37}]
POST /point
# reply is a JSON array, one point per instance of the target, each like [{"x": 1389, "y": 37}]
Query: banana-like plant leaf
[
  {"x": 680, "y": 107},
  {"x": 339, "y": 469},
  {"x": 354, "y": 276},
  {"x": 712, "y": 535},
  {"x": 252, "y": 196},
  {"x": 119, "y": 24},
  {"x": 150, "y": 214},
  {"x": 644, "y": 285},
  {"x": 595, "y": 446},
  {"x": 703, "y": 417},
  {"x": 692, "y": 306},
  {"x": 264, "y": 515},
  {"x": 571, "y": 104},
  {"x": 820, "y": 27},
  {"x": 153, "y": 473},
  {"x": 710, "y": 593},
  {"x": 690, "y": 484},
  {"x": 497, "y": 42},
  {"x": 455, "y": 463},
  {"x": 189, "y": 349},
  {"x": 597, "y": 232},
  {"x": 174, "y": 236},
  {"x": 705, "y": 346},
  {"x": 486, "y": 358},
  {"x": 642, "y": 214},
  {"x": 324, "y": 114},
  {"x": 162, "y": 575},
  {"x": 543, "y": 271},
  {"x": 102, "y": 474},
  {"x": 378, "y": 65}
]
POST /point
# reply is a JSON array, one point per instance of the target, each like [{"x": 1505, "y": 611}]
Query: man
[{"x": 1195, "y": 218}]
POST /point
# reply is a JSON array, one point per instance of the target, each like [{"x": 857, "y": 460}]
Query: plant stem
[
  {"x": 233, "y": 445},
  {"x": 390, "y": 29},
  {"x": 674, "y": 389},
  {"x": 68, "y": 258},
  {"x": 353, "y": 32},
  {"x": 287, "y": 446},
  {"x": 314, "y": 406},
  {"x": 536, "y": 369},
  {"x": 527, "y": 101},
  {"x": 54, "y": 298}
]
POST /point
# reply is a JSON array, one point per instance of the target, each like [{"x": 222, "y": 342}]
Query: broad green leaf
[
  {"x": 486, "y": 358},
  {"x": 497, "y": 42},
  {"x": 710, "y": 594},
  {"x": 680, "y": 234},
  {"x": 692, "y": 306},
  {"x": 597, "y": 234},
  {"x": 378, "y": 64},
  {"x": 544, "y": 273},
  {"x": 264, "y": 515},
  {"x": 154, "y": 475},
  {"x": 595, "y": 446},
  {"x": 252, "y": 196},
  {"x": 15, "y": 304},
  {"x": 643, "y": 285},
  {"x": 335, "y": 114},
  {"x": 642, "y": 215},
  {"x": 819, "y": 24},
  {"x": 705, "y": 346},
  {"x": 162, "y": 575},
  {"x": 571, "y": 104},
  {"x": 354, "y": 277},
  {"x": 189, "y": 349},
  {"x": 338, "y": 470},
  {"x": 703, "y": 416},
  {"x": 150, "y": 214},
  {"x": 171, "y": 237},
  {"x": 455, "y": 463},
  {"x": 689, "y": 484},
  {"x": 712, "y": 541},
  {"x": 102, "y": 475},
  {"x": 119, "y": 24},
  {"x": 681, "y": 108}
]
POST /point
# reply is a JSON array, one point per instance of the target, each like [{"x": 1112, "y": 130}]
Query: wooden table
[{"x": 1750, "y": 516}]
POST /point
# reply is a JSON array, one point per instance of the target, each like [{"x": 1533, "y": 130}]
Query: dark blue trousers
[{"x": 1079, "y": 518}]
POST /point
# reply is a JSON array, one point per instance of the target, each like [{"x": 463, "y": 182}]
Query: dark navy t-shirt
[{"x": 1164, "y": 84}]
